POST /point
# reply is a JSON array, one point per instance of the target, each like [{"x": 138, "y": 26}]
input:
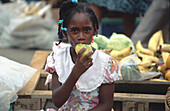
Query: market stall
[
  {"x": 131, "y": 94},
  {"x": 140, "y": 92}
]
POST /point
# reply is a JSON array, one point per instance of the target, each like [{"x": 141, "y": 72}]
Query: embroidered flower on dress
[
  {"x": 74, "y": 101},
  {"x": 95, "y": 101},
  {"x": 114, "y": 66}
]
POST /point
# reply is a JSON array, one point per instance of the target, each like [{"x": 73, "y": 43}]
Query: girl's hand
[{"x": 82, "y": 63}]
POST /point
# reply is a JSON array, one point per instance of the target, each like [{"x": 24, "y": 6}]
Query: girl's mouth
[{"x": 81, "y": 42}]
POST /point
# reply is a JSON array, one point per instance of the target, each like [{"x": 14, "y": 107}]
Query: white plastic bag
[
  {"x": 13, "y": 77},
  {"x": 129, "y": 62},
  {"x": 38, "y": 30}
]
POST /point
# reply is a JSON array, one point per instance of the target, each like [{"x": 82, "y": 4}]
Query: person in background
[
  {"x": 130, "y": 9},
  {"x": 156, "y": 18},
  {"x": 4, "y": 1},
  {"x": 81, "y": 83}
]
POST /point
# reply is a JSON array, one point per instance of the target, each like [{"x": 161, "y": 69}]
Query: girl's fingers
[
  {"x": 87, "y": 56},
  {"x": 90, "y": 64},
  {"x": 85, "y": 61},
  {"x": 81, "y": 51}
]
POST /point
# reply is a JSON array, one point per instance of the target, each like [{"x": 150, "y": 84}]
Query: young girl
[{"x": 81, "y": 83}]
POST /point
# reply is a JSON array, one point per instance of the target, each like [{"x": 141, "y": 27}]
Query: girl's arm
[
  {"x": 106, "y": 92},
  {"x": 60, "y": 93}
]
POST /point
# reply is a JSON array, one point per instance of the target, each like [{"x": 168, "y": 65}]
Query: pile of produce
[
  {"x": 155, "y": 58},
  {"x": 118, "y": 46}
]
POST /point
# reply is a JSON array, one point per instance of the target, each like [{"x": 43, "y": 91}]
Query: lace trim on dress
[{"x": 91, "y": 79}]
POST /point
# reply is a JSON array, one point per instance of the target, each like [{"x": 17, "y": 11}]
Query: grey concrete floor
[{"x": 23, "y": 56}]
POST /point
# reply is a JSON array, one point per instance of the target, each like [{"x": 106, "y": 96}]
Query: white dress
[{"x": 85, "y": 94}]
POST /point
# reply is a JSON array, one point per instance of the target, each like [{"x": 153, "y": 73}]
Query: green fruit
[
  {"x": 119, "y": 42},
  {"x": 80, "y": 46},
  {"x": 101, "y": 41}
]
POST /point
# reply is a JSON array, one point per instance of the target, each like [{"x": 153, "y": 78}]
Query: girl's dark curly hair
[{"x": 68, "y": 9}]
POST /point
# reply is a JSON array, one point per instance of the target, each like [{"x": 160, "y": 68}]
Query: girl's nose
[{"x": 81, "y": 36}]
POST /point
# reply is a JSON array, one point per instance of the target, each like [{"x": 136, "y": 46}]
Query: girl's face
[{"x": 80, "y": 29}]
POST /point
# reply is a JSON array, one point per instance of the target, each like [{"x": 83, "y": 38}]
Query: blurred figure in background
[
  {"x": 130, "y": 8},
  {"x": 156, "y": 18},
  {"x": 4, "y": 1}
]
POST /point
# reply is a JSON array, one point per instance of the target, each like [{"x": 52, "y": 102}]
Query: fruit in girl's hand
[{"x": 80, "y": 46}]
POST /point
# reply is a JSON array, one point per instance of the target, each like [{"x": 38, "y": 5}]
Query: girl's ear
[{"x": 64, "y": 35}]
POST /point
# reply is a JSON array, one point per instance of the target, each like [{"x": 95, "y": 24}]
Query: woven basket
[{"x": 167, "y": 100}]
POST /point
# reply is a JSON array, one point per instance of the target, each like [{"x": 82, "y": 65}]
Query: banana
[
  {"x": 165, "y": 48},
  {"x": 139, "y": 45},
  {"x": 161, "y": 41},
  {"x": 158, "y": 53},
  {"x": 138, "y": 53},
  {"x": 107, "y": 51},
  {"x": 150, "y": 58},
  {"x": 145, "y": 63},
  {"x": 165, "y": 56},
  {"x": 142, "y": 68},
  {"x": 154, "y": 41},
  {"x": 153, "y": 68},
  {"x": 143, "y": 50},
  {"x": 147, "y": 69},
  {"x": 118, "y": 55},
  {"x": 145, "y": 57},
  {"x": 161, "y": 80}
]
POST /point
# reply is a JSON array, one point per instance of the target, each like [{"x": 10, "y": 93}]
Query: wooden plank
[
  {"x": 37, "y": 62},
  {"x": 27, "y": 103},
  {"x": 117, "y": 96},
  {"x": 142, "y": 82},
  {"x": 135, "y": 106},
  {"x": 31, "y": 104},
  {"x": 39, "y": 59},
  {"x": 143, "y": 87},
  {"x": 44, "y": 73},
  {"x": 139, "y": 97},
  {"x": 42, "y": 94}
]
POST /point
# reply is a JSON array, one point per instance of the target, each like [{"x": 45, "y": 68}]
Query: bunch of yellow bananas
[
  {"x": 148, "y": 60},
  {"x": 155, "y": 41},
  {"x": 150, "y": 56},
  {"x": 119, "y": 55},
  {"x": 157, "y": 45}
]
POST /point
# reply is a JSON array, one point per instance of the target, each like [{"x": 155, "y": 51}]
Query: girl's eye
[
  {"x": 74, "y": 30},
  {"x": 87, "y": 29}
]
